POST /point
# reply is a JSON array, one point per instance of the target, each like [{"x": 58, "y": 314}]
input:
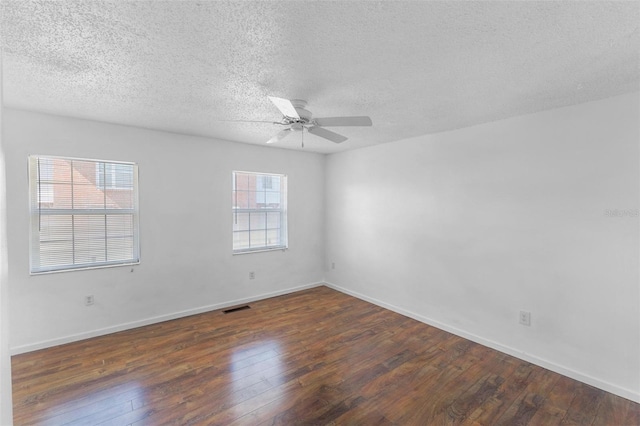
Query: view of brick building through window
[
  {"x": 56, "y": 184},
  {"x": 84, "y": 213},
  {"x": 259, "y": 211}
]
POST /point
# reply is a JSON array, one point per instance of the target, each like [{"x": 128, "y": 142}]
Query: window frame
[
  {"x": 36, "y": 211},
  {"x": 282, "y": 210}
]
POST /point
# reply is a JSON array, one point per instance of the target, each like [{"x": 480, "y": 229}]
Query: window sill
[
  {"x": 260, "y": 250},
  {"x": 84, "y": 268}
]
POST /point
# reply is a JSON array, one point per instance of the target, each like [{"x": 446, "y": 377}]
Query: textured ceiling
[{"x": 413, "y": 67}]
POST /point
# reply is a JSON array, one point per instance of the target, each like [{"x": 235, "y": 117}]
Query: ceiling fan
[{"x": 296, "y": 119}]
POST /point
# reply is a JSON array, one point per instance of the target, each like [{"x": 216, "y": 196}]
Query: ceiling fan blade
[
  {"x": 279, "y": 136},
  {"x": 285, "y": 106},
  {"x": 327, "y": 134},
  {"x": 344, "y": 121}
]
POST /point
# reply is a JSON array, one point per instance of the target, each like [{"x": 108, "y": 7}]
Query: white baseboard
[
  {"x": 560, "y": 369},
  {"x": 154, "y": 320}
]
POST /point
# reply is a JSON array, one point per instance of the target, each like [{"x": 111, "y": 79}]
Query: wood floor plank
[
  {"x": 614, "y": 411},
  {"x": 362, "y": 416},
  {"x": 557, "y": 402},
  {"x": 438, "y": 409},
  {"x": 584, "y": 406},
  {"x": 493, "y": 406},
  {"x": 530, "y": 399},
  {"x": 312, "y": 357}
]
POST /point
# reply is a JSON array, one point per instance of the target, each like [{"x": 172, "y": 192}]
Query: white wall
[
  {"x": 6, "y": 409},
  {"x": 466, "y": 228},
  {"x": 185, "y": 221}
]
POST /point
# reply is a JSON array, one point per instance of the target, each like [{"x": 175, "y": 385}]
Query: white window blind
[
  {"x": 259, "y": 212},
  {"x": 84, "y": 213}
]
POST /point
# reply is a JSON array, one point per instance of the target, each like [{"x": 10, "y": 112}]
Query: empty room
[{"x": 319, "y": 212}]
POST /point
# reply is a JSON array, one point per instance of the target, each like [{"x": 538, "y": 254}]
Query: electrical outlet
[
  {"x": 525, "y": 318},
  {"x": 88, "y": 300},
  {"x": 252, "y": 275}
]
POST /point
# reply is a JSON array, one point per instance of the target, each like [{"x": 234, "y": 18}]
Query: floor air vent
[{"x": 236, "y": 309}]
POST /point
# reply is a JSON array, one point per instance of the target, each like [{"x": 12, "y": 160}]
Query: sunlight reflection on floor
[
  {"x": 251, "y": 371},
  {"x": 112, "y": 402}
]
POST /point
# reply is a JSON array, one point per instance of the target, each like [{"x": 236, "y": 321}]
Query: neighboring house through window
[
  {"x": 84, "y": 213},
  {"x": 114, "y": 176},
  {"x": 259, "y": 211}
]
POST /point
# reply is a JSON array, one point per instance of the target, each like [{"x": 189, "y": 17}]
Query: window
[
  {"x": 84, "y": 213},
  {"x": 114, "y": 176},
  {"x": 259, "y": 212}
]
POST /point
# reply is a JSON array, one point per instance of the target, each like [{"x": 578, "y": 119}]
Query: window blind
[
  {"x": 259, "y": 212},
  {"x": 84, "y": 213}
]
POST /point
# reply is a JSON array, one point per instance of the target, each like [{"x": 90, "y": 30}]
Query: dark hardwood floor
[{"x": 313, "y": 357}]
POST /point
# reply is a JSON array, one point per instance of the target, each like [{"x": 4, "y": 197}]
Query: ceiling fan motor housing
[{"x": 305, "y": 115}]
